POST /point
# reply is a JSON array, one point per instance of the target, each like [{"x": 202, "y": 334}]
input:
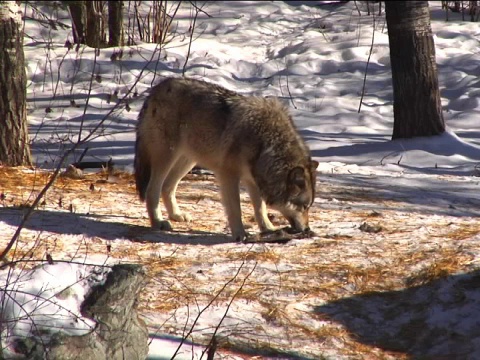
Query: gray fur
[{"x": 240, "y": 138}]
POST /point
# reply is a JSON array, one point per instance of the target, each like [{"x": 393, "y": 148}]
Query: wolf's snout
[{"x": 299, "y": 223}]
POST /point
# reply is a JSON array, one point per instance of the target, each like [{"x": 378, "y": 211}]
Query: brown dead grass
[
  {"x": 464, "y": 231},
  {"x": 444, "y": 263},
  {"x": 335, "y": 266}
]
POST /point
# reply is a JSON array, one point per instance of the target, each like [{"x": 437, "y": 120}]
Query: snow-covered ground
[{"x": 351, "y": 292}]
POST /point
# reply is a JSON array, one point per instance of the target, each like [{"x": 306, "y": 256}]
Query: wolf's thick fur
[{"x": 249, "y": 139}]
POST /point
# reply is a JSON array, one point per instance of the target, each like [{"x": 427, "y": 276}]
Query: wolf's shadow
[{"x": 93, "y": 225}]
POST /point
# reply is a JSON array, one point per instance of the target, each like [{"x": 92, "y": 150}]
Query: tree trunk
[
  {"x": 78, "y": 12},
  {"x": 417, "y": 105},
  {"x": 14, "y": 147},
  {"x": 160, "y": 22},
  {"x": 115, "y": 23},
  {"x": 95, "y": 32}
]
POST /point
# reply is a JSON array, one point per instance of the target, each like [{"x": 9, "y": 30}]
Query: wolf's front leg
[
  {"x": 229, "y": 190},
  {"x": 259, "y": 208}
]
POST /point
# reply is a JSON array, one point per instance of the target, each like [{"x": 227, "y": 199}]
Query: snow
[
  {"x": 312, "y": 55},
  {"x": 42, "y": 302}
]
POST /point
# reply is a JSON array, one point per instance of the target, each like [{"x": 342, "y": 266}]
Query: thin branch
[
  {"x": 213, "y": 342},
  {"x": 164, "y": 36},
  {"x": 90, "y": 85},
  {"x": 200, "y": 9},
  {"x": 356, "y": 6},
  {"x": 57, "y": 170},
  {"x": 289, "y": 93},
  {"x": 368, "y": 62},
  {"x": 192, "y": 30},
  {"x": 215, "y": 297}
]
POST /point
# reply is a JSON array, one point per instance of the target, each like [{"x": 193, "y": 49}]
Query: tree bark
[
  {"x": 115, "y": 23},
  {"x": 14, "y": 147},
  {"x": 95, "y": 31},
  {"x": 78, "y": 12},
  {"x": 417, "y": 105}
]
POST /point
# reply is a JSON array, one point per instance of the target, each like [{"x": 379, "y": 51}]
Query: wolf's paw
[
  {"x": 180, "y": 217},
  {"x": 163, "y": 225},
  {"x": 241, "y": 237}
]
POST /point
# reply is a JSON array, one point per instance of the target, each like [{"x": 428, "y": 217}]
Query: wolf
[{"x": 241, "y": 139}]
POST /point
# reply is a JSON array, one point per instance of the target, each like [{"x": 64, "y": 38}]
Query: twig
[
  {"x": 368, "y": 62},
  {"x": 192, "y": 30},
  {"x": 57, "y": 170},
  {"x": 213, "y": 342},
  {"x": 200, "y": 9},
  {"x": 356, "y": 6},
  {"x": 215, "y": 297},
  {"x": 35, "y": 203},
  {"x": 54, "y": 176},
  {"x": 92, "y": 77},
  {"x": 164, "y": 35},
  {"x": 212, "y": 348},
  {"x": 289, "y": 93}
]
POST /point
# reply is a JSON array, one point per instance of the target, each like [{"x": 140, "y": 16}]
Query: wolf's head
[{"x": 298, "y": 196}]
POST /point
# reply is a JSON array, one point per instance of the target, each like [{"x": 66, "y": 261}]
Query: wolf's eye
[{"x": 302, "y": 207}]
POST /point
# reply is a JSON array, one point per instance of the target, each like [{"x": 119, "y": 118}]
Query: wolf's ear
[
  {"x": 313, "y": 164},
  {"x": 296, "y": 177}
]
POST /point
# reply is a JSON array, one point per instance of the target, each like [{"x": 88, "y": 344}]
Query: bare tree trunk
[
  {"x": 78, "y": 12},
  {"x": 95, "y": 32},
  {"x": 160, "y": 22},
  {"x": 416, "y": 96},
  {"x": 115, "y": 23},
  {"x": 14, "y": 147}
]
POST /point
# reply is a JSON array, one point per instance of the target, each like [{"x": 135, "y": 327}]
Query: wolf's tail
[{"x": 141, "y": 162}]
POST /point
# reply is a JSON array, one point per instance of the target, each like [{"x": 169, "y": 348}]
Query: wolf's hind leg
[
  {"x": 259, "y": 208},
  {"x": 161, "y": 166},
  {"x": 181, "y": 167}
]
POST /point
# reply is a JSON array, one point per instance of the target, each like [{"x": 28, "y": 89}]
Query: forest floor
[{"x": 389, "y": 275}]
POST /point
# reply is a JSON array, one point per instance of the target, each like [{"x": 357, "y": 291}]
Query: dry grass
[
  {"x": 347, "y": 259},
  {"x": 443, "y": 264},
  {"x": 464, "y": 231}
]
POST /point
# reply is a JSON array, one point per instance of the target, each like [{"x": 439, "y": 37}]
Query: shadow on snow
[
  {"x": 436, "y": 320},
  {"x": 94, "y": 226}
]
